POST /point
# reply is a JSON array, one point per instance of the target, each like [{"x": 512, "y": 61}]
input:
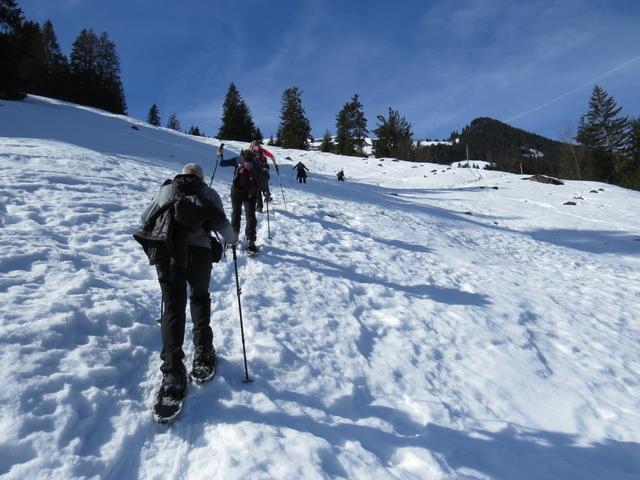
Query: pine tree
[
  {"x": 57, "y": 65},
  {"x": 602, "y": 127},
  {"x": 294, "y": 129},
  {"x": 95, "y": 72},
  {"x": 194, "y": 130},
  {"x": 394, "y": 136},
  {"x": 257, "y": 135},
  {"x": 605, "y": 134},
  {"x": 634, "y": 140},
  {"x": 11, "y": 18},
  {"x": 327, "y": 143},
  {"x": 83, "y": 69},
  {"x": 237, "y": 123},
  {"x": 32, "y": 64},
  {"x": 153, "y": 116},
  {"x": 627, "y": 167},
  {"x": 351, "y": 128},
  {"x": 111, "y": 91},
  {"x": 173, "y": 123}
]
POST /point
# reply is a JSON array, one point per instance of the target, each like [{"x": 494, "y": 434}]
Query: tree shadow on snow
[
  {"x": 591, "y": 241},
  {"x": 330, "y": 225},
  {"x": 449, "y": 296},
  {"x": 512, "y": 452}
]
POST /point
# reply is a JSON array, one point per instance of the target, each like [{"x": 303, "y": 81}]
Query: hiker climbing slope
[
  {"x": 301, "y": 174},
  {"x": 245, "y": 191},
  {"x": 261, "y": 155},
  {"x": 175, "y": 236}
]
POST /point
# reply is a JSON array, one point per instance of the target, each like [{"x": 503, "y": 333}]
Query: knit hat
[{"x": 193, "y": 169}]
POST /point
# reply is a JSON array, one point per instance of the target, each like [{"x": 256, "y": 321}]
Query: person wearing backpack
[
  {"x": 245, "y": 190},
  {"x": 175, "y": 236},
  {"x": 301, "y": 174},
  {"x": 261, "y": 155},
  {"x": 340, "y": 176}
]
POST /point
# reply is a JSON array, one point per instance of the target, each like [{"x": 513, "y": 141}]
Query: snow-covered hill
[{"x": 414, "y": 322}]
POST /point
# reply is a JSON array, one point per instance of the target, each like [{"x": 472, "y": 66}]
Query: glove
[
  {"x": 277, "y": 170},
  {"x": 231, "y": 237},
  {"x": 235, "y": 241}
]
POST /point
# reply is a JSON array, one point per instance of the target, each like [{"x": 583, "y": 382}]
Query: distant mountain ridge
[{"x": 496, "y": 142}]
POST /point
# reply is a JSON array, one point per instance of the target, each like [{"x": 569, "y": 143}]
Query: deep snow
[{"x": 412, "y": 322}]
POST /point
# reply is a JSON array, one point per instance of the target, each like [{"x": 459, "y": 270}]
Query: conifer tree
[
  {"x": 95, "y": 72},
  {"x": 237, "y": 123},
  {"x": 257, "y": 135},
  {"x": 604, "y": 133},
  {"x": 351, "y": 128},
  {"x": 602, "y": 128},
  {"x": 111, "y": 91},
  {"x": 294, "y": 129},
  {"x": 627, "y": 167},
  {"x": 56, "y": 63},
  {"x": 11, "y": 18},
  {"x": 83, "y": 69},
  {"x": 327, "y": 143},
  {"x": 173, "y": 123},
  {"x": 634, "y": 140},
  {"x": 394, "y": 136},
  {"x": 194, "y": 130},
  {"x": 153, "y": 117},
  {"x": 32, "y": 68}
]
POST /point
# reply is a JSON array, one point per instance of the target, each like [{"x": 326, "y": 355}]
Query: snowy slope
[{"x": 412, "y": 322}]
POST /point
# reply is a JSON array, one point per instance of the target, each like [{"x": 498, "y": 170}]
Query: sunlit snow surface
[{"x": 413, "y": 322}]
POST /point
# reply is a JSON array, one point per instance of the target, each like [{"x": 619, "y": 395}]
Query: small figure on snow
[
  {"x": 340, "y": 176},
  {"x": 220, "y": 153},
  {"x": 245, "y": 190},
  {"x": 301, "y": 174},
  {"x": 261, "y": 155},
  {"x": 175, "y": 235}
]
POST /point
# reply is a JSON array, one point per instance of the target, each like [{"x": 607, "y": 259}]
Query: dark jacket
[
  {"x": 181, "y": 214},
  {"x": 246, "y": 180}
]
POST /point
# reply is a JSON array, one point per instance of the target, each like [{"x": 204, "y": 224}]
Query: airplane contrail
[{"x": 570, "y": 92}]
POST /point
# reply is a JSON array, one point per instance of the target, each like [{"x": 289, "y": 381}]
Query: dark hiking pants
[
  {"x": 238, "y": 200},
  {"x": 173, "y": 283}
]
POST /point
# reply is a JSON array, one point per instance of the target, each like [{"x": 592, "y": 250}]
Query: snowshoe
[
  {"x": 170, "y": 397},
  {"x": 204, "y": 364},
  {"x": 252, "y": 250}
]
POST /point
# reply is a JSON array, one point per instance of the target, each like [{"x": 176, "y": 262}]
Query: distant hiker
[
  {"x": 340, "y": 176},
  {"x": 301, "y": 174},
  {"x": 175, "y": 235},
  {"x": 220, "y": 153},
  {"x": 245, "y": 191},
  {"x": 261, "y": 155}
]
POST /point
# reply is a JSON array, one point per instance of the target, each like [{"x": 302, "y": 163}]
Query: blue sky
[{"x": 440, "y": 63}]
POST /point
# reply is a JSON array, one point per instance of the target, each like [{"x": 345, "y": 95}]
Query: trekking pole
[
  {"x": 282, "y": 190},
  {"x": 268, "y": 225},
  {"x": 244, "y": 351},
  {"x": 214, "y": 173}
]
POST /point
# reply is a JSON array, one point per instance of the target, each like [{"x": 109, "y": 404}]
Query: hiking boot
[
  {"x": 252, "y": 249},
  {"x": 174, "y": 384},
  {"x": 204, "y": 364}
]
